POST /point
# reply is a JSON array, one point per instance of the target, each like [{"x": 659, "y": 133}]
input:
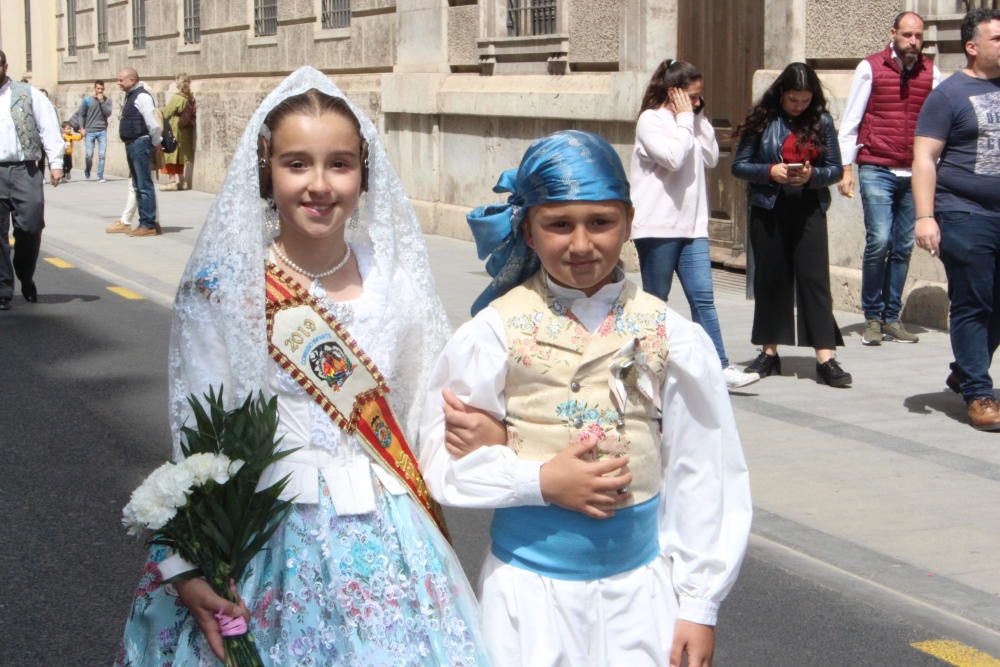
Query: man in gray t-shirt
[
  {"x": 956, "y": 193},
  {"x": 92, "y": 121}
]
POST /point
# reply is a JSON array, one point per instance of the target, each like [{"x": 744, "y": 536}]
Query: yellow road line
[
  {"x": 956, "y": 653},
  {"x": 61, "y": 263},
  {"x": 125, "y": 293}
]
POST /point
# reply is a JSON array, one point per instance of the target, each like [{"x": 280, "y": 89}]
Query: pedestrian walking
[
  {"x": 70, "y": 137},
  {"x": 181, "y": 113},
  {"x": 788, "y": 153},
  {"x": 674, "y": 144},
  {"x": 618, "y": 527},
  {"x": 29, "y": 129},
  {"x": 91, "y": 118},
  {"x": 359, "y": 572},
  {"x": 140, "y": 132},
  {"x": 956, "y": 192},
  {"x": 876, "y": 131}
]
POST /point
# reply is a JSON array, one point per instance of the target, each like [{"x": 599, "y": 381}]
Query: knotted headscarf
[{"x": 567, "y": 166}]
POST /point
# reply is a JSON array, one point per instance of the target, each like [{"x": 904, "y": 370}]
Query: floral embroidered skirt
[{"x": 376, "y": 589}]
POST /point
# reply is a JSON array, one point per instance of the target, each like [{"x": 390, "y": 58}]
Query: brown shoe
[
  {"x": 984, "y": 414},
  {"x": 147, "y": 231},
  {"x": 118, "y": 227}
]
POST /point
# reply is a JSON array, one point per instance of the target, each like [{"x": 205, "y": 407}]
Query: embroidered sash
[{"x": 323, "y": 358}]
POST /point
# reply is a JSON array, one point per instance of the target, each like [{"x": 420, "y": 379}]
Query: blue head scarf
[{"x": 566, "y": 166}]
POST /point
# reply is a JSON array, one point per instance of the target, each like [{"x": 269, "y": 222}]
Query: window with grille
[
  {"x": 27, "y": 34},
  {"x": 102, "y": 26},
  {"x": 531, "y": 17},
  {"x": 71, "y": 27},
  {"x": 336, "y": 13},
  {"x": 138, "y": 24},
  {"x": 265, "y": 17},
  {"x": 192, "y": 21}
]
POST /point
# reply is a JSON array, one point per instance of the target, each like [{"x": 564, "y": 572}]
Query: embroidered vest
[
  {"x": 22, "y": 113},
  {"x": 560, "y": 379},
  {"x": 893, "y": 108}
]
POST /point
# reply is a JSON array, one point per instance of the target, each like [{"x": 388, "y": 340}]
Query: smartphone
[{"x": 795, "y": 165}]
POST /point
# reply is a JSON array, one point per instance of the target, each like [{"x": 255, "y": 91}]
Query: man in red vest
[{"x": 876, "y": 132}]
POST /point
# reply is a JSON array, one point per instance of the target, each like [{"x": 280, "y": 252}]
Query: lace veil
[{"x": 218, "y": 335}]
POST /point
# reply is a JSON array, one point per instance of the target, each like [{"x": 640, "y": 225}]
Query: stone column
[
  {"x": 784, "y": 33},
  {"x": 422, "y": 36},
  {"x": 648, "y": 34}
]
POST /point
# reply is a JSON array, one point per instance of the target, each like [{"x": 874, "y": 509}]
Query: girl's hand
[
  {"x": 575, "y": 484},
  {"x": 695, "y": 640},
  {"x": 203, "y": 603},
  {"x": 466, "y": 429},
  {"x": 801, "y": 175},
  {"x": 779, "y": 173},
  {"x": 679, "y": 101}
]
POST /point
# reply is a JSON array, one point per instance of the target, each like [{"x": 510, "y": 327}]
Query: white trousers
[{"x": 534, "y": 621}]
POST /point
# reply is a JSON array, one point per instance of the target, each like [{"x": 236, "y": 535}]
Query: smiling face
[
  {"x": 315, "y": 174},
  {"x": 579, "y": 243}
]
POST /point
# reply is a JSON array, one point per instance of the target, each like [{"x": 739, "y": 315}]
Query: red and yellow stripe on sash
[{"x": 323, "y": 358}]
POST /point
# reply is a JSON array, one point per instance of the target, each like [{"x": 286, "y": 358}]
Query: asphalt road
[{"x": 84, "y": 420}]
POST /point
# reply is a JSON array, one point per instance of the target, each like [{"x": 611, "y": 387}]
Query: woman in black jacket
[{"x": 789, "y": 155}]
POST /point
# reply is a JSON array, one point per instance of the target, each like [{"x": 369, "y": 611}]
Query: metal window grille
[
  {"x": 102, "y": 26},
  {"x": 27, "y": 34},
  {"x": 531, "y": 17},
  {"x": 192, "y": 21},
  {"x": 71, "y": 27},
  {"x": 336, "y": 13},
  {"x": 265, "y": 17},
  {"x": 138, "y": 24}
]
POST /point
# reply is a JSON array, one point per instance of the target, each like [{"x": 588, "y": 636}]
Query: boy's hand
[
  {"x": 575, "y": 484},
  {"x": 203, "y": 603},
  {"x": 694, "y": 639},
  {"x": 466, "y": 429}
]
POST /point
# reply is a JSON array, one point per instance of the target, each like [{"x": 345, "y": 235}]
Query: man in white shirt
[
  {"x": 29, "y": 128},
  {"x": 876, "y": 131},
  {"x": 140, "y": 132}
]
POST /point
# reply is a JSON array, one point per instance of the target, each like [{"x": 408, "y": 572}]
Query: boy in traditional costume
[{"x": 621, "y": 495}]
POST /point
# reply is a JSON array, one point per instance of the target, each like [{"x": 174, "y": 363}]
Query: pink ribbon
[{"x": 231, "y": 627}]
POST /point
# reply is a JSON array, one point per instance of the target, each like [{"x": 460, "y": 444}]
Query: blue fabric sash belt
[{"x": 562, "y": 544}]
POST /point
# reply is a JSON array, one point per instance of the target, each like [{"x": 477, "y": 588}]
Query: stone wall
[{"x": 839, "y": 30}]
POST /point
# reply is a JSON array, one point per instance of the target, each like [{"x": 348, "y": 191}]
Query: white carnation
[{"x": 205, "y": 467}]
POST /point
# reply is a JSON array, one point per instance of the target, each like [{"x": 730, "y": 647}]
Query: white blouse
[{"x": 705, "y": 508}]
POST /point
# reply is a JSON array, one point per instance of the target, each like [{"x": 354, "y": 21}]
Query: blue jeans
[
  {"x": 660, "y": 258},
  {"x": 101, "y": 137},
  {"x": 970, "y": 250},
  {"x": 889, "y": 221},
  {"x": 138, "y": 154}
]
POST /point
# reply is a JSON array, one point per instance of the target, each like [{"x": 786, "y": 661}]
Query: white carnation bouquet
[{"x": 206, "y": 507}]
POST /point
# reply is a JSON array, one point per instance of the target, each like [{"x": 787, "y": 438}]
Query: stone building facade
[{"x": 460, "y": 87}]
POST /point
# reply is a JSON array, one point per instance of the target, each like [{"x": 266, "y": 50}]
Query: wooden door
[{"x": 725, "y": 40}]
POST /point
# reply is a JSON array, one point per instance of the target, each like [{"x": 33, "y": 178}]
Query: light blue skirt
[{"x": 377, "y": 589}]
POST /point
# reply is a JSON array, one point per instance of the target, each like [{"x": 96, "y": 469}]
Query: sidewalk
[{"x": 884, "y": 481}]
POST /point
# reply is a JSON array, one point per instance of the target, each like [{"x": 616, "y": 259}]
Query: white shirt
[
  {"x": 48, "y": 128},
  {"x": 705, "y": 507},
  {"x": 857, "y": 103},
  {"x": 144, "y": 103},
  {"x": 667, "y": 173}
]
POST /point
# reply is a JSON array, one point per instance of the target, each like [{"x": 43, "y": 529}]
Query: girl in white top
[
  {"x": 621, "y": 496},
  {"x": 674, "y": 144}
]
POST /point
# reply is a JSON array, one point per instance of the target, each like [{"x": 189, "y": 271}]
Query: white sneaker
[{"x": 735, "y": 378}]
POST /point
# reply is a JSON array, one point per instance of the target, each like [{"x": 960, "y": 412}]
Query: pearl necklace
[{"x": 316, "y": 289}]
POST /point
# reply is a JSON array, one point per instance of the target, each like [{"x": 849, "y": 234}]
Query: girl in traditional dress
[
  {"x": 621, "y": 492},
  {"x": 312, "y": 229}
]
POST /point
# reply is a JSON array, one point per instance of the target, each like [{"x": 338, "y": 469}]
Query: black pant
[
  {"x": 791, "y": 259},
  {"x": 20, "y": 199},
  {"x": 67, "y": 163}
]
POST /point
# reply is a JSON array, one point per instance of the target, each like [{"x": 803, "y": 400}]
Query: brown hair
[
  {"x": 669, "y": 74},
  {"x": 314, "y": 103}
]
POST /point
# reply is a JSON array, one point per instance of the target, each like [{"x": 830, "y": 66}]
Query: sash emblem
[{"x": 330, "y": 364}]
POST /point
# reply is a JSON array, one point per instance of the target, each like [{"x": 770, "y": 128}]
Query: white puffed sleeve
[
  {"x": 473, "y": 365},
  {"x": 706, "y": 510}
]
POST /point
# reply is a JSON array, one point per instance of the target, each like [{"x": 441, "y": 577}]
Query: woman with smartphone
[
  {"x": 674, "y": 143},
  {"x": 789, "y": 155}
]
